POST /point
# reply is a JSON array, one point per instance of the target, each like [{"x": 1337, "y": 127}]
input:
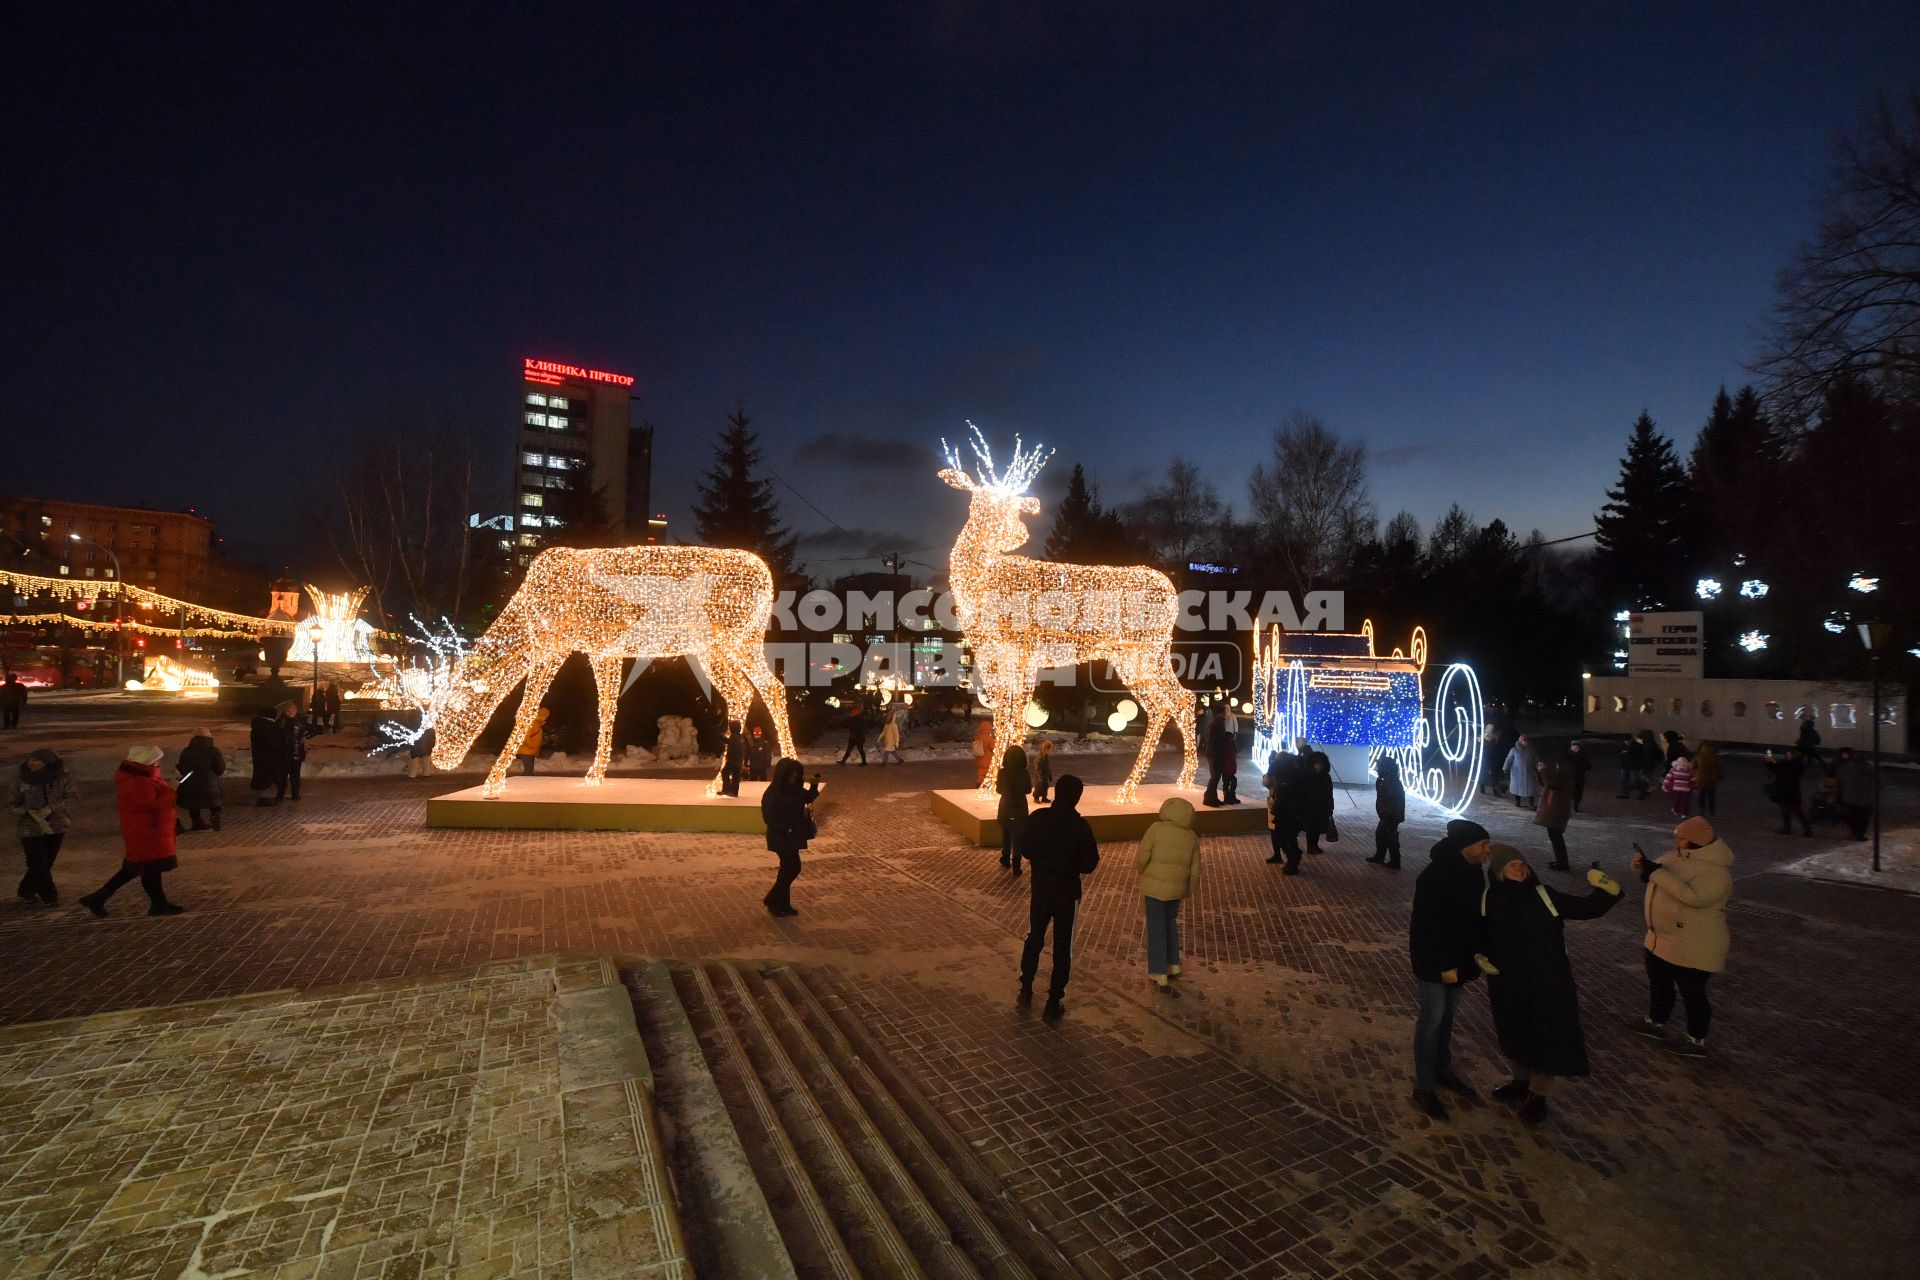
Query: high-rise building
[{"x": 579, "y": 457}]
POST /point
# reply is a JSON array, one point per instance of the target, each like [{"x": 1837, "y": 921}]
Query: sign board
[{"x": 1665, "y": 644}]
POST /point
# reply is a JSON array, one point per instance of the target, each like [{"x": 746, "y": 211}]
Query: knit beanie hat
[
  {"x": 149, "y": 756},
  {"x": 1464, "y": 832},
  {"x": 1694, "y": 831},
  {"x": 1497, "y": 861}
]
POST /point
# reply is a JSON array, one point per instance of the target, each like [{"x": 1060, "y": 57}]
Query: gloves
[
  {"x": 1603, "y": 882},
  {"x": 1486, "y": 965}
]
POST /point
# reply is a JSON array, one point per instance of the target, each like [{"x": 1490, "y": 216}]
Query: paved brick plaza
[{"x": 1257, "y": 1126}]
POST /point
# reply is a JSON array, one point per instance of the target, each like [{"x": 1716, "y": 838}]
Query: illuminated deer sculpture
[
  {"x": 1023, "y": 616},
  {"x": 612, "y": 604}
]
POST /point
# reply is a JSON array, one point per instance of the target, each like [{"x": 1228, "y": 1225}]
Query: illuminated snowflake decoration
[
  {"x": 1707, "y": 588},
  {"x": 1754, "y": 641},
  {"x": 1754, "y": 589},
  {"x": 1623, "y": 617},
  {"x": 1836, "y": 623},
  {"x": 1863, "y": 584}
]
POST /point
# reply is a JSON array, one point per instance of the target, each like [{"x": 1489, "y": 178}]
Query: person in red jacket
[{"x": 145, "y": 802}]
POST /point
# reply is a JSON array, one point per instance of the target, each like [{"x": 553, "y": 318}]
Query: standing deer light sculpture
[
  {"x": 1023, "y": 616},
  {"x": 612, "y": 604}
]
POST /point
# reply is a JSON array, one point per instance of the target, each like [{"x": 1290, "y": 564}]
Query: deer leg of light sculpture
[
  {"x": 539, "y": 676},
  {"x": 753, "y": 662},
  {"x": 1180, "y": 706},
  {"x": 1010, "y": 682},
  {"x": 731, "y": 683},
  {"x": 606, "y": 681}
]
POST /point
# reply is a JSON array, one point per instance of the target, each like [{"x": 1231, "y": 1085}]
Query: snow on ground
[{"x": 1852, "y": 862}]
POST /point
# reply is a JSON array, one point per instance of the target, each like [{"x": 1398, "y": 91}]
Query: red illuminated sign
[{"x": 552, "y": 373}]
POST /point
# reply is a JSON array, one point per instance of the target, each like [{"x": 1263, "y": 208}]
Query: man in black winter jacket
[
  {"x": 1443, "y": 938},
  {"x": 1059, "y": 845}
]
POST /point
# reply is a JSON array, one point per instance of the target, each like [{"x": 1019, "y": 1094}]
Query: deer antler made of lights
[
  {"x": 1023, "y": 616},
  {"x": 613, "y": 604}
]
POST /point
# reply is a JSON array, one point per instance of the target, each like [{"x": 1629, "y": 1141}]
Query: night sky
[{"x": 1481, "y": 238}]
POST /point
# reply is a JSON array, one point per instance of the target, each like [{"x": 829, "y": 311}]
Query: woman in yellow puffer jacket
[{"x": 1169, "y": 866}]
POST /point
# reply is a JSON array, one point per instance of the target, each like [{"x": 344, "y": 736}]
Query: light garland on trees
[
  {"x": 612, "y": 604},
  {"x": 144, "y": 628},
  {"x": 33, "y": 584},
  {"x": 1022, "y": 616}
]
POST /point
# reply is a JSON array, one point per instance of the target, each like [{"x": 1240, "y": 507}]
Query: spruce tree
[
  {"x": 737, "y": 508},
  {"x": 1643, "y": 526},
  {"x": 1073, "y": 524},
  {"x": 1732, "y": 471}
]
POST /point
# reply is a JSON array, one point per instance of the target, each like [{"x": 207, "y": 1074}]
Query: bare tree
[
  {"x": 1179, "y": 520},
  {"x": 397, "y": 520},
  {"x": 1849, "y": 303},
  {"x": 1311, "y": 501}
]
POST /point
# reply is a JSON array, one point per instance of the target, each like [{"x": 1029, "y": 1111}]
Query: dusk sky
[{"x": 1480, "y": 238}]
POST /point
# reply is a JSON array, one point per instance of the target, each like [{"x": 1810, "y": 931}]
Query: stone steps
[{"x": 798, "y": 1151}]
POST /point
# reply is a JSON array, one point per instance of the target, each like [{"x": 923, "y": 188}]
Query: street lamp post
[
  {"x": 315, "y": 634},
  {"x": 1875, "y": 635},
  {"x": 119, "y": 612}
]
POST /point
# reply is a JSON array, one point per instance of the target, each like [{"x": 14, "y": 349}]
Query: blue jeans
[
  {"x": 1163, "y": 934},
  {"x": 1433, "y": 1033}
]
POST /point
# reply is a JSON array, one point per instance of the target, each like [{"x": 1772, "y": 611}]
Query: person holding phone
[
  {"x": 1536, "y": 1007},
  {"x": 784, "y": 810},
  {"x": 1687, "y": 937}
]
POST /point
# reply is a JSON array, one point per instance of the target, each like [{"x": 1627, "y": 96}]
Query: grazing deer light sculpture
[
  {"x": 1022, "y": 615},
  {"x": 612, "y": 604}
]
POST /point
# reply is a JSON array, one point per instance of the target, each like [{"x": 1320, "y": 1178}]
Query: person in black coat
[
  {"x": 783, "y": 808},
  {"x": 1633, "y": 763},
  {"x": 1785, "y": 777},
  {"x": 1012, "y": 785},
  {"x": 200, "y": 767},
  {"x": 1283, "y": 776},
  {"x": 1060, "y": 845},
  {"x": 759, "y": 756},
  {"x": 1219, "y": 757},
  {"x": 269, "y": 757},
  {"x": 1536, "y": 1007},
  {"x": 1445, "y": 933},
  {"x": 733, "y": 760},
  {"x": 293, "y": 747},
  {"x": 1390, "y": 807},
  {"x": 1313, "y": 799},
  {"x": 1582, "y": 763},
  {"x": 856, "y": 734}
]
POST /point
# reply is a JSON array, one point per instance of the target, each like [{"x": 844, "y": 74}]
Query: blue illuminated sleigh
[{"x": 1331, "y": 689}]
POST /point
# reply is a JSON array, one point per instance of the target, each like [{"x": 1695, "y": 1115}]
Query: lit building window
[
  {"x": 528, "y": 540},
  {"x": 532, "y": 500},
  {"x": 534, "y": 397},
  {"x": 533, "y": 459},
  {"x": 558, "y": 402},
  {"x": 64, "y": 571},
  {"x": 536, "y": 419},
  {"x": 109, "y": 573},
  {"x": 531, "y": 522},
  {"x": 89, "y": 571},
  {"x": 559, "y": 461}
]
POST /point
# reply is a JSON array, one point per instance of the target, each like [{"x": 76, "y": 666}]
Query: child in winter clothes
[
  {"x": 1042, "y": 770},
  {"x": 1678, "y": 784},
  {"x": 1390, "y": 805},
  {"x": 1169, "y": 866}
]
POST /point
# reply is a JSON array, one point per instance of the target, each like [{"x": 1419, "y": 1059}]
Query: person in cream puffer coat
[
  {"x": 1687, "y": 938},
  {"x": 1169, "y": 866}
]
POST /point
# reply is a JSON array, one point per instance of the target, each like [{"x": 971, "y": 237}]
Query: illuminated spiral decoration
[{"x": 1454, "y": 730}]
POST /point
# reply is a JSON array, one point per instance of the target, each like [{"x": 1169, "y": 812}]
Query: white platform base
[
  {"x": 538, "y": 802},
  {"x": 976, "y": 818}
]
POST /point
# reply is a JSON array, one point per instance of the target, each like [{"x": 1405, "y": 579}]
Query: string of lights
[
  {"x": 648, "y": 602},
  {"x": 145, "y": 628},
  {"x": 1022, "y": 616},
  {"x": 30, "y": 585}
]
